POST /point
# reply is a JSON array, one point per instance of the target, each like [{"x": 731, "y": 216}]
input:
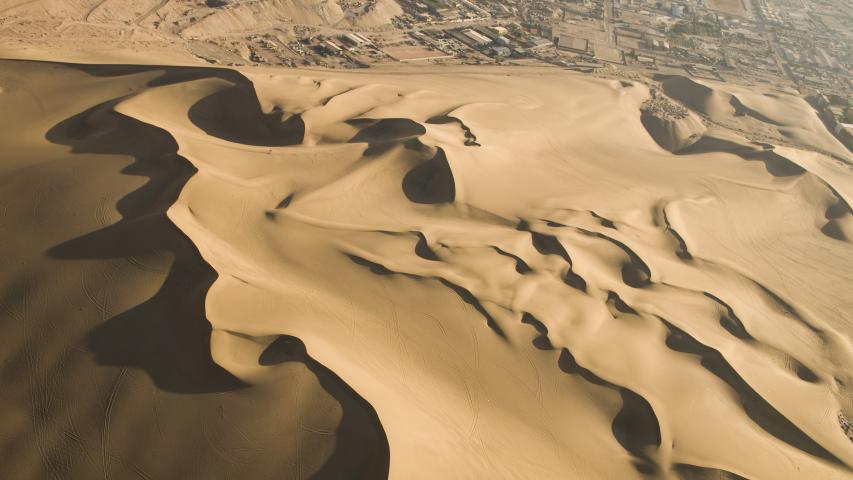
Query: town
[{"x": 802, "y": 46}]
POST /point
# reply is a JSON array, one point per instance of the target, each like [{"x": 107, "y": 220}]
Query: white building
[
  {"x": 477, "y": 37},
  {"x": 844, "y": 127}
]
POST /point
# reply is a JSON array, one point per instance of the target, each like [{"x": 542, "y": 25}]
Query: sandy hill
[
  {"x": 195, "y": 19},
  {"x": 254, "y": 14},
  {"x": 746, "y": 110},
  {"x": 449, "y": 273}
]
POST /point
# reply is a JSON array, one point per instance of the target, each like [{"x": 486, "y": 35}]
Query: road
[
  {"x": 607, "y": 13},
  {"x": 770, "y": 36}
]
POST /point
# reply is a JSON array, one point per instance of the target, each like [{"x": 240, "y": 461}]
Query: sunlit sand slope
[{"x": 442, "y": 275}]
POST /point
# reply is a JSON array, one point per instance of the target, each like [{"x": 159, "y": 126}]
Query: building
[
  {"x": 538, "y": 43},
  {"x": 844, "y": 128},
  {"x": 844, "y": 132},
  {"x": 501, "y": 51},
  {"x": 608, "y": 54},
  {"x": 574, "y": 44},
  {"x": 502, "y": 41},
  {"x": 476, "y": 38},
  {"x": 356, "y": 39},
  {"x": 587, "y": 67},
  {"x": 657, "y": 44},
  {"x": 333, "y": 48},
  {"x": 486, "y": 32}
]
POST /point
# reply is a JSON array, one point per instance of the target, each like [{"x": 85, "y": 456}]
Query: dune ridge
[{"x": 486, "y": 275}]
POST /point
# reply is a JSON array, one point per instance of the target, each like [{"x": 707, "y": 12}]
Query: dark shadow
[
  {"x": 635, "y": 427},
  {"x": 173, "y": 76},
  {"x": 616, "y": 305},
  {"x": 431, "y": 182},
  {"x": 543, "y": 243},
  {"x": 463, "y": 292},
  {"x": 665, "y": 132},
  {"x": 386, "y": 130},
  {"x": 362, "y": 450},
  {"x": 470, "y": 299},
  {"x": 542, "y": 342},
  {"x": 741, "y": 110},
  {"x": 113, "y": 70},
  {"x": 788, "y": 309},
  {"x": 384, "y": 135},
  {"x": 168, "y": 74},
  {"x": 732, "y": 324},
  {"x": 374, "y": 268},
  {"x": 234, "y": 114},
  {"x": 521, "y": 266},
  {"x": 635, "y": 272},
  {"x": 470, "y": 138},
  {"x": 834, "y": 213},
  {"x": 568, "y": 364},
  {"x": 574, "y": 280},
  {"x": 423, "y": 250},
  {"x": 606, "y": 223},
  {"x": 550, "y": 245},
  {"x": 730, "y": 321},
  {"x": 681, "y": 250},
  {"x": 693, "y": 472},
  {"x": 285, "y": 203},
  {"x": 692, "y": 94},
  {"x": 762, "y": 413},
  {"x": 775, "y": 164},
  {"x": 833, "y": 230},
  {"x": 167, "y": 335}
]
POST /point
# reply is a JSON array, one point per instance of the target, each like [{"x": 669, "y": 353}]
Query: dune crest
[
  {"x": 481, "y": 279},
  {"x": 672, "y": 126},
  {"x": 777, "y": 117}
]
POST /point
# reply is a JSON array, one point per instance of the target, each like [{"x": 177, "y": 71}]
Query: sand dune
[
  {"x": 778, "y": 115},
  {"x": 449, "y": 274},
  {"x": 673, "y": 126}
]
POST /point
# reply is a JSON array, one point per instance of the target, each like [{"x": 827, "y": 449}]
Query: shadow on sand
[{"x": 168, "y": 335}]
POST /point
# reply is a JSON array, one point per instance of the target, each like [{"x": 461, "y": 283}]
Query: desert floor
[{"x": 419, "y": 273}]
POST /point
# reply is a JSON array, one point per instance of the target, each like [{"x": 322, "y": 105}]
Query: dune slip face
[{"x": 211, "y": 273}]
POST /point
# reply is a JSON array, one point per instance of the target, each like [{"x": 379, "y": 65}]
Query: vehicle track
[
  {"x": 151, "y": 11},
  {"x": 87, "y": 17}
]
